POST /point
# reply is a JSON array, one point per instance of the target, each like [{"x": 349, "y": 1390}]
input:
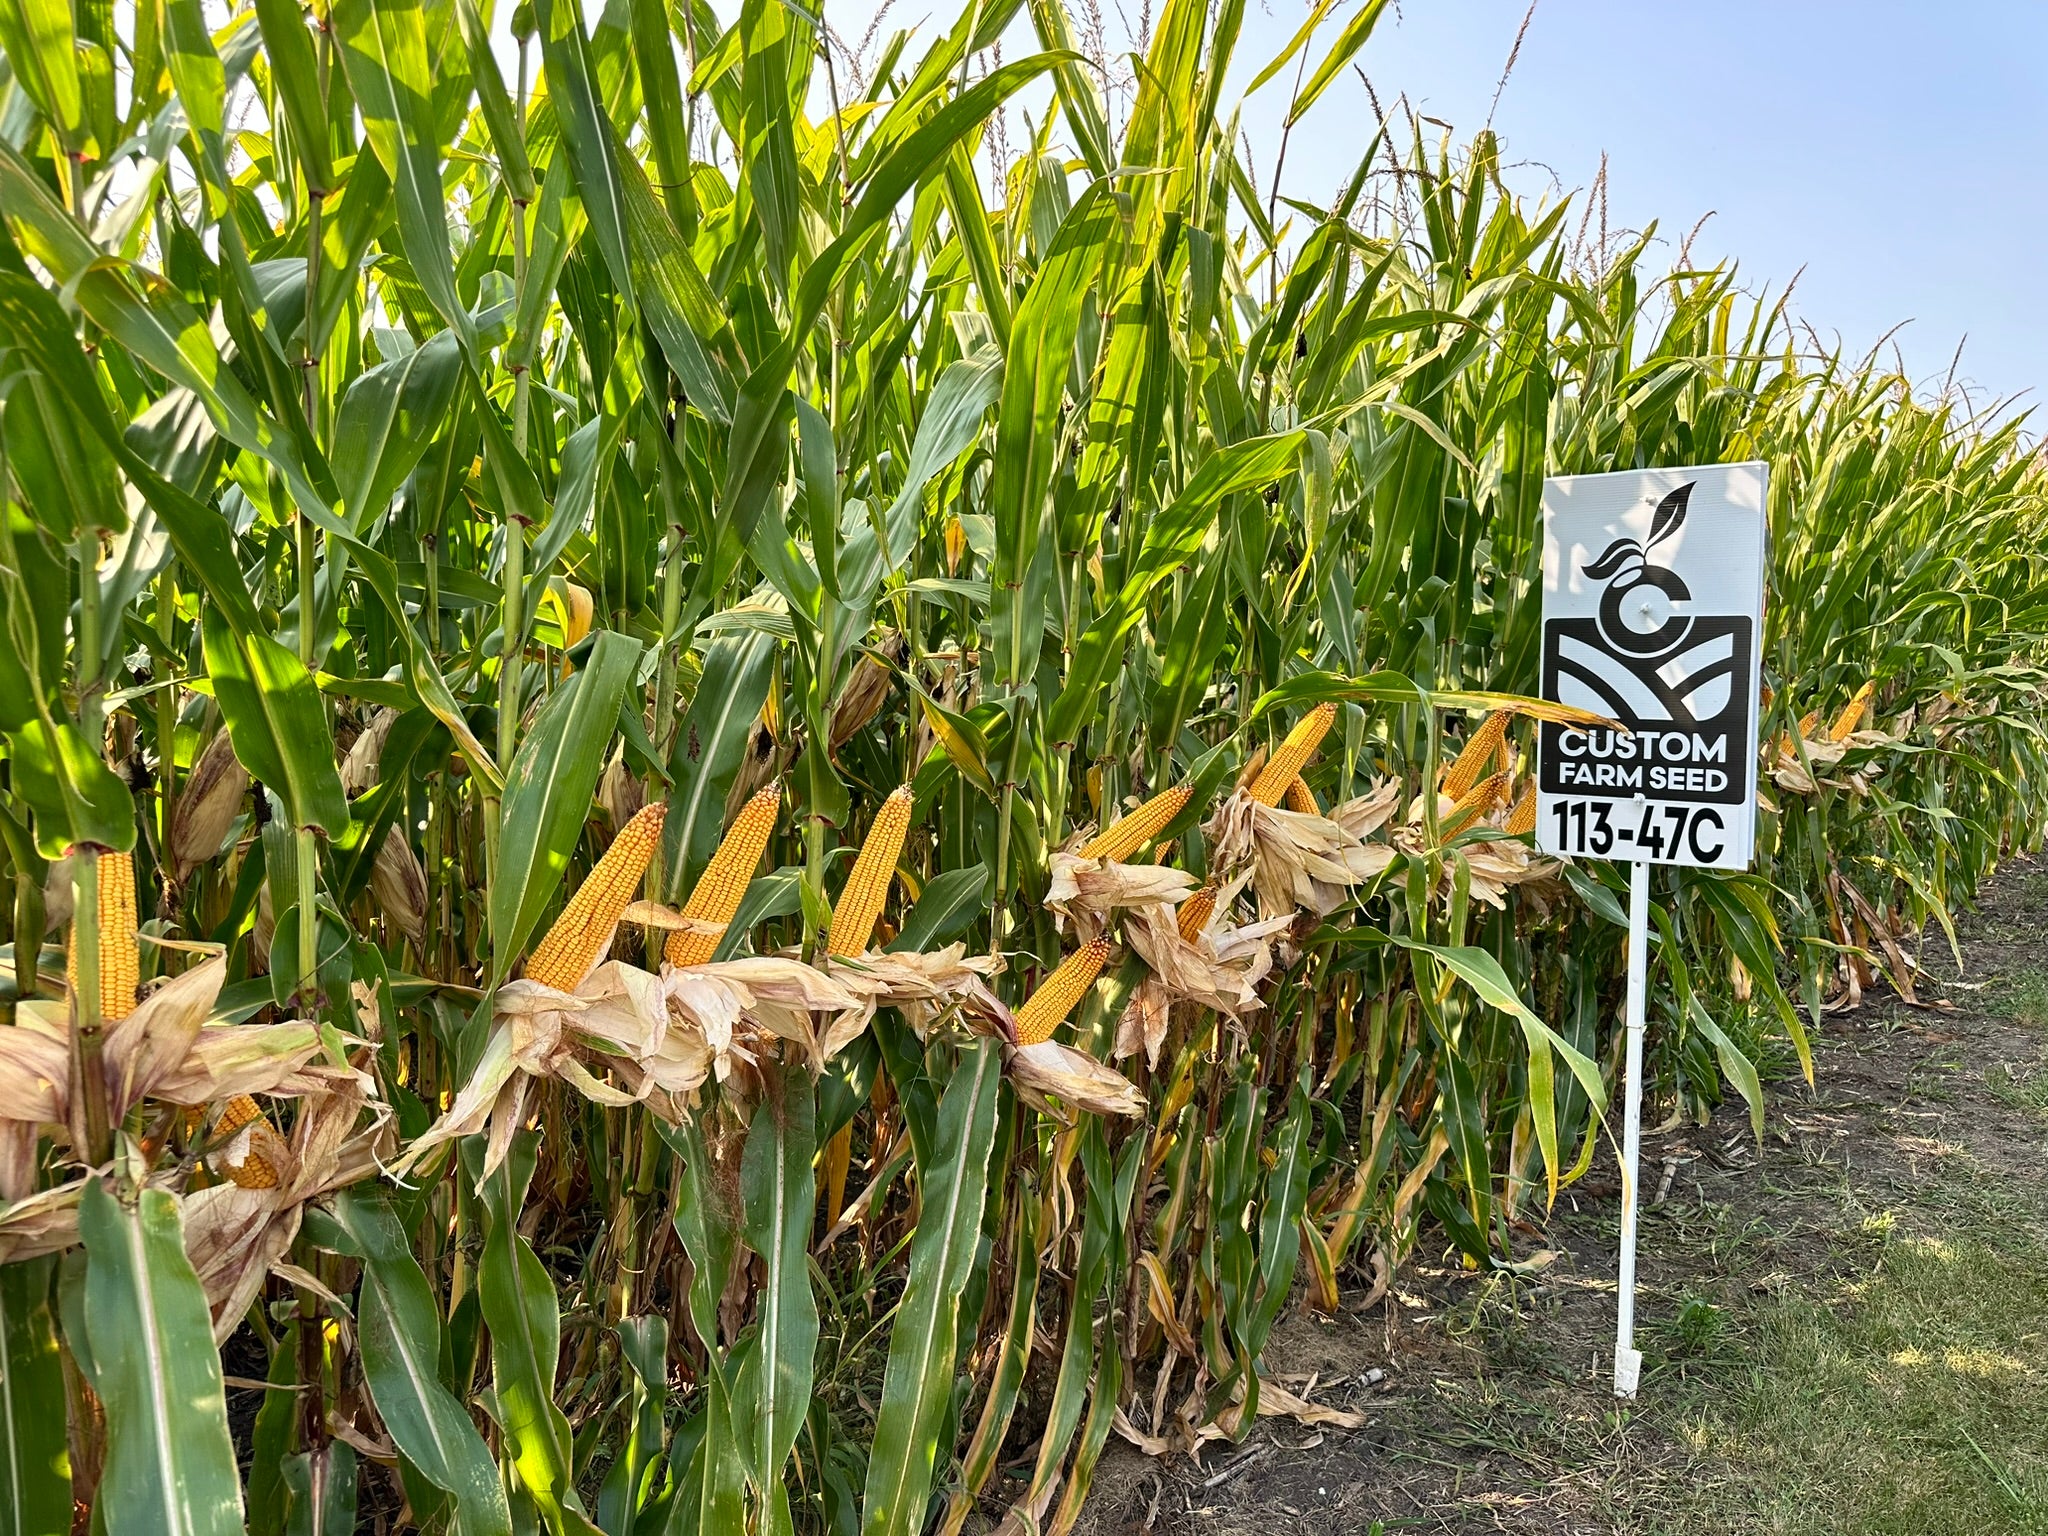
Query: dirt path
[{"x": 1845, "y": 1331}]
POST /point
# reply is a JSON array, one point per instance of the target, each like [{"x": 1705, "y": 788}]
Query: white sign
[{"x": 1653, "y": 597}]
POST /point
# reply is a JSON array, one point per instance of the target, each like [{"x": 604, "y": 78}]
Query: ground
[{"x": 1845, "y": 1329}]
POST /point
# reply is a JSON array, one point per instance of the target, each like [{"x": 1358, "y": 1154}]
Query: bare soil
[{"x": 1492, "y": 1408}]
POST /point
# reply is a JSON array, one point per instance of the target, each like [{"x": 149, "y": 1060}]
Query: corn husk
[
  {"x": 1085, "y": 892},
  {"x": 207, "y": 805},
  {"x": 1300, "y": 861},
  {"x": 359, "y": 765},
  {"x": 1049, "y": 1071},
  {"x": 236, "y": 1237},
  {"x": 399, "y": 886}
]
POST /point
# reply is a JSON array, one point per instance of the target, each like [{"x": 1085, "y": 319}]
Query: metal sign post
[{"x": 1653, "y": 584}]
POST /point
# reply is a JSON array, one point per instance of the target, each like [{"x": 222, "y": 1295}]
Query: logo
[{"x": 1648, "y": 659}]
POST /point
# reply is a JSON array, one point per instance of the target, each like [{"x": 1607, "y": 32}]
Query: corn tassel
[
  {"x": 1851, "y": 715},
  {"x": 120, "y": 960},
  {"x": 1195, "y": 912},
  {"x": 717, "y": 893},
  {"x": 1127, "y": 834},
  {"x": 1286, "y": 764},
  {"x": 254, "y": 1171},
  {"x": 1301, "y": 798},
  {"x": 1048, "y": 1007},
  {"x": 1479, "y": 757},
  {"x": 867, "y": 887},
  {"x": 1522, "y": 819},
  {"x": 582, "y": 934}
]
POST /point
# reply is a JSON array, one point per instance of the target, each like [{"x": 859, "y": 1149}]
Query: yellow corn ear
[
  {"x": 1522, "y": 819},
  {"x": 254, "y": 1171},
  {"x": 1195, "y": 912},
  {"x": 1047, "y": 1008},
  {"x": 1286, "y": 764},
  {"x": 860, "y": 900},
  {"x": 1301, "y": 798},
  {"x": 717, "y": 893},
  {"x": 1479, "y": 756},
  {"x": 120, "y": 960},
  {"x": 1808, "y": 722},
  {"x": 1851, "y": 715},
  {"x": 1127, "y": 834},
  {"x": 1480, "y": 799},
  {"x": 584, "y": 930}
]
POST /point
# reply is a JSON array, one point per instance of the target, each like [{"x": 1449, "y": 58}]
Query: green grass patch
[
  {"x": 1908, "y": 1399},
  {"x": 2025, "y": 997}
]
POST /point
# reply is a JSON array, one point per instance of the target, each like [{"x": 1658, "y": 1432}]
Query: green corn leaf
[
  {"x": 507, "y": 139},
  {"x": 288, "y": 47},
  {"x": 1027, "y": 435},
  {"x": 629, "y": 1484},
  {"x": 320, "y": 1491},
  {"x": 279, "y": 726},
  {"x": 519, "y": 1306},
  {"x": 384, "y": 52},
  {"x": 591, "y": 139},
  {"x": 1481, "y": 972},
  {"x": 548, "y": 793},
  {"x": 949, "y": 902},
  {"x": 76, "y": 797},
  {"x": 170, "y": 1468},
  {"x": 39, "y": 41},
  {"x": 917, "y": 1384},
  {"x": 35, "y": 1475},
  {"x": 778, "y": 1194},
  {"x": 400, "y": 1333},
  {"x": 389, "y": 417},
  {"x": 710, "y": 744}
]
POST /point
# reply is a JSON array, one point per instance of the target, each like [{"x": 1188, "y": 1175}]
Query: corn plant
[{"x": 709, "y": 835}]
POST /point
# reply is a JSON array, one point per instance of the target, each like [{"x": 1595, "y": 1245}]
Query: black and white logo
[
  {"x": 1652, "y": 602},
  {"x": 1649, "y": 660}
]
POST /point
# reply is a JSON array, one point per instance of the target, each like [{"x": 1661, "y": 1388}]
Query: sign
[
  {"x": 1653, "y": 588},
  {"x": 1653, "y": 611}
]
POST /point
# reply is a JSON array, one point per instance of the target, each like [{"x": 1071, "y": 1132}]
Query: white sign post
[{"x": 1653, "y": 593}]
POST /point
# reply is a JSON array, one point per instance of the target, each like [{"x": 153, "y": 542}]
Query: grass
[
  {"x": 1910, "y": 1400},
  {"x": 2025, "y": 997}
]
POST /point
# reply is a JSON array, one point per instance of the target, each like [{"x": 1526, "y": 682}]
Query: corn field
[{"x": 710, "y": 831}]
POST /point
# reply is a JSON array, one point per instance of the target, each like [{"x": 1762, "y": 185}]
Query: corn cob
[
  {"x": 1479, "y": 800},
  {"x": 1127, "y": 834},
  {"x": 120, "y": 960},
  {"x": 1047, "y": 1008},
  {"x": 1522, "y": 819},
  {"x": 1478, "y": 758},
  {"x": 1301, "y": 798},
  {"x": 1851, "y": 715},
  {"x": 1808, "y": 722},
  {"x": 717, "y": 893},
  {"x": 583, "y": 932},
  {"x": 1195, "y": 912},
  {"x": 860, "y": 900},
  {"x": 254, "y": 1171},
  {"x": 1284, "y": 765}
]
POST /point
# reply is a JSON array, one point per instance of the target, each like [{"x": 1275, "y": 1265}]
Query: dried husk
[
  {"x": 399, "y": 886},
  {"x": 207, "y": 805}
]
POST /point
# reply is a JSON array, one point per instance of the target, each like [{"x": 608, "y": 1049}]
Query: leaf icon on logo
[
  {"x": 1614, "y": 557},
  {"x": 1670, "y": 515}
]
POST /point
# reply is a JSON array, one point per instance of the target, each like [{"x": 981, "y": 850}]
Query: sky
[{"x": 1888, "y": 153}]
